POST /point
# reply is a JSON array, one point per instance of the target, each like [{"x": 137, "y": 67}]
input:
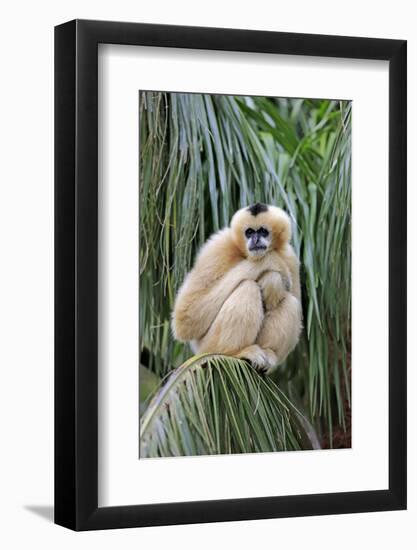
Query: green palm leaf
[{"x": 214, "y": 404}]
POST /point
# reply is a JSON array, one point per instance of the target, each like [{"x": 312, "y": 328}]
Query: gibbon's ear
[
  {"x": 281, "y": 227},
  {"x": 239, "y": 221}
]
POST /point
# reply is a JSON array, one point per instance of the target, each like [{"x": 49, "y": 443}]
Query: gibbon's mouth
[{"x": 257, "y": 247}]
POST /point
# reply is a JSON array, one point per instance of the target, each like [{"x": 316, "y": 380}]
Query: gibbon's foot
[
  {"x": 255, "y": 355},
  {"x": 263, "y": 360},
  {"x": 271, "y": 362}
]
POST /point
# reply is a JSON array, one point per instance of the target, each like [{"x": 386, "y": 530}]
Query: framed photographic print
[{"x": 230, "y": 253}]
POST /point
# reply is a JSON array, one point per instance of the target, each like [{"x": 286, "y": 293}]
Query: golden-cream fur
[{"x": 242, "y": 304}]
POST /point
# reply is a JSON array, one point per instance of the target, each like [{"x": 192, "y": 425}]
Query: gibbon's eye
[
  {"x": 263, "y": 232},
  {"x": 249, "y": 232}
]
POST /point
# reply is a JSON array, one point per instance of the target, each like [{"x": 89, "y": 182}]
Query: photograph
[
  {"x": 208, "y": 274},
  {"x": 244, "y": 274}
]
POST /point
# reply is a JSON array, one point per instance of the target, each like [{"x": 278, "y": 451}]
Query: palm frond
[{"x": 214, "y": 404}]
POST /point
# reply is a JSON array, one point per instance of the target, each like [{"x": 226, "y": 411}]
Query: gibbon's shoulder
[
  {"x": 219, "y": 244},
  {"x": 219, "y": 253},
  {"x": 289, "y": 254}
]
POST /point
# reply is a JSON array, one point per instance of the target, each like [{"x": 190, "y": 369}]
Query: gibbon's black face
[
  {"x": 258, "y": 240},
  {"x": 259, "y": 229}
]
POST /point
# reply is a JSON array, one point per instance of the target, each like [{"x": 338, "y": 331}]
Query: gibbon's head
[{"x": 260, "y": 228}]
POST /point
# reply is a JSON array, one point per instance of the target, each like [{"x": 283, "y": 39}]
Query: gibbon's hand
[{"x": 274, "y": 285}]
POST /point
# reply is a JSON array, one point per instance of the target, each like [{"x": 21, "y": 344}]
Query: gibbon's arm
[
  {"x": 294, "y": 266},
  {"x": 196, "y": 307},
  {"x": 218, "y": 270}
]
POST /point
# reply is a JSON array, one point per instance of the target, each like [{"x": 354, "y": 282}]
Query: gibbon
[{"x": 242, "y": 297}]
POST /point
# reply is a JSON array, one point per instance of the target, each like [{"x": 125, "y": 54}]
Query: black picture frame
[{"x": 76, "y": 271}]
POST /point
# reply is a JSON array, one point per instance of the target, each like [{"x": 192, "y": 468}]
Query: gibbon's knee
[
  {"x": 281, "y": 328},
  {"x": 238, "y": 322}
]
